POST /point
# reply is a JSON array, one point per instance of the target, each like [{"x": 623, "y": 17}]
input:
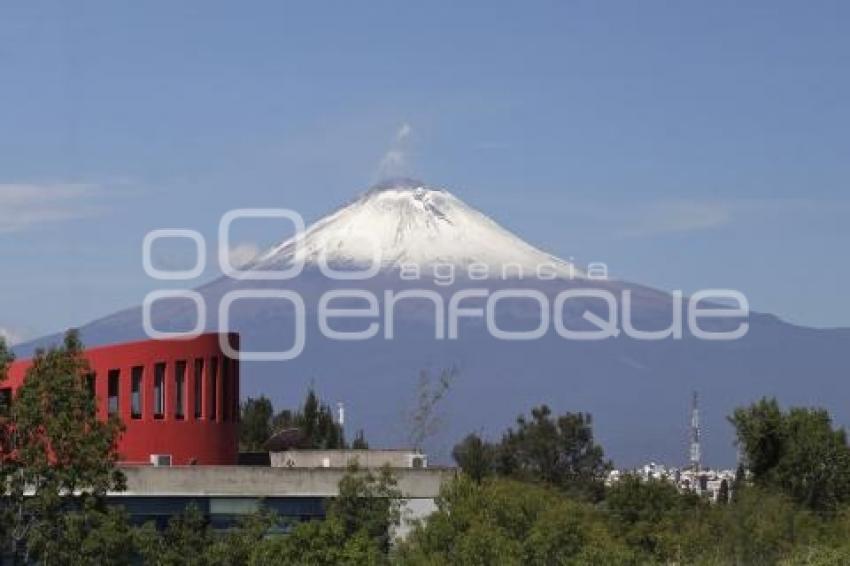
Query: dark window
[
  {"x": 180, "y": 388},
  {"x": 113, "y": 385},
  {"x": 91, "y": 384},
  {"x": 5, "y": 400},
  {"x": 213, "y": 387},
  {"x": 136, "y": 392},
  {"x": 225, "y": 389},
  {"x": 159, "y": 391},
  {"x": 235, "y": 392},
  {"x": 199, "y": 386}
]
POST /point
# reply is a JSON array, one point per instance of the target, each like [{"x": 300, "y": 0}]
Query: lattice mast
[{"x": 696, "y": 453}]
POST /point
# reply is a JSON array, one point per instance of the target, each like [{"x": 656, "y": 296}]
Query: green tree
[
  {"x": 58, "y": 462},
  {"x": 255, "y": 424},
  {"x": 648, "y": 513},
  {"x": 762, "y": 527},
  {"x": 189, "y": 539},
  {"x": 357, "y": 529},
  {"x": 318, "y": 543},
  {"x": 186, "y": 540},
  {"x": 559, "y": 451},
  {"x": 315, "y": 421},
  {"x": 97, "y": 535},
  {"x": 475, "y": 457},
  {"x": 723, "y": 492},
  {"x": 798, "y": 452},
  {"x": 500, "y": 521},
  {"x": 239, "y": 545},
  {"x": 739, "y": 484},
  {"x": 6, "y": 359},
  {"x": 368, "y": 503},
  {"x": 359, "y": 442},
  {"x": 309, "y": 417},
  {"x": 760, "y": 430}
]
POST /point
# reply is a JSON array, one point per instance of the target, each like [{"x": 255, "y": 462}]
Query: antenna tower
[{"x": 696, "y": 453}]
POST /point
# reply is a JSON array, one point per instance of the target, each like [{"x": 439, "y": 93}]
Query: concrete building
[
  {"x": 179, "y": 401},
  {"x": 224, "y": 493}
]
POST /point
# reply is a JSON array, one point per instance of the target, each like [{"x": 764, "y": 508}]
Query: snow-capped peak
[{"x": 403, "y": 222}]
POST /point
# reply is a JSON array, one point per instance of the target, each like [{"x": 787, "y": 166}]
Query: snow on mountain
[{"x": 405, "y": 222}]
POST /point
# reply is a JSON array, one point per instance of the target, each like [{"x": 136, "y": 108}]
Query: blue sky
[{"x": 686, "y": 144}]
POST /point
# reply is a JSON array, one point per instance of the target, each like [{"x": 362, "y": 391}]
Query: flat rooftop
[{"x": 261, "y": 481}]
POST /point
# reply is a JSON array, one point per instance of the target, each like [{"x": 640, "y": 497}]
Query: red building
[{"x": 177, "y": 398}]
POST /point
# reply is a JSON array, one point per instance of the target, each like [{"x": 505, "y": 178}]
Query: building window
[
  {"x": 91, "y": 384},
  {"x": 179, "y": 390},
  {"x": 114, "y": 378},
  {"x": 5, "y": 400},
  {"x": 199, "y": 386},
  {"x": 159, "y": 391},
  {"x": 136, "y": 392},
  {"x": 225, "y": 389},
  {"x": 213, "y": 387},
  {"x": 234, "y": 389}
]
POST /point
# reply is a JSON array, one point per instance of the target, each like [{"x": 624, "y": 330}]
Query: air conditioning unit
[
  {"x": 417, "y": 461},
  {"x": 160, "y": 460}
]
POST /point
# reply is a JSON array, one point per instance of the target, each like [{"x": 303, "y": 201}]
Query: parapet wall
[{"x": 253, "y": 481}]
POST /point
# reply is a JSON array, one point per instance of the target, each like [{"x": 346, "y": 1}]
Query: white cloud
[
  {"x": 490, "y": 145},
  {"x": 673, "y": 217},
  {"x": 242, "y": 254},
  {"x": 395, "y": 162},
  {"x": 24, "y": 205},
  {"x": 692, "y": 216},
  {"x": 403, "y": 132},
  {"x": 12, "y": 337},
  {"x": 629, "y": 218}
]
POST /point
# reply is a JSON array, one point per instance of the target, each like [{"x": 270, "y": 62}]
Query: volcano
[
  {"x": 413, "y": 248},
  {"x": 404, "y": 223}
]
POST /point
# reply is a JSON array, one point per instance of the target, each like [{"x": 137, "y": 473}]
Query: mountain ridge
[{"x": 638, "y": 391}]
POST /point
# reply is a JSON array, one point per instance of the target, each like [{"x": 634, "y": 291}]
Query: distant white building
[{"x": 707, "y": 483}]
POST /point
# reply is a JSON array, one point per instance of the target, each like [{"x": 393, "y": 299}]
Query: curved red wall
[{"x": 211, "y": 438}]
